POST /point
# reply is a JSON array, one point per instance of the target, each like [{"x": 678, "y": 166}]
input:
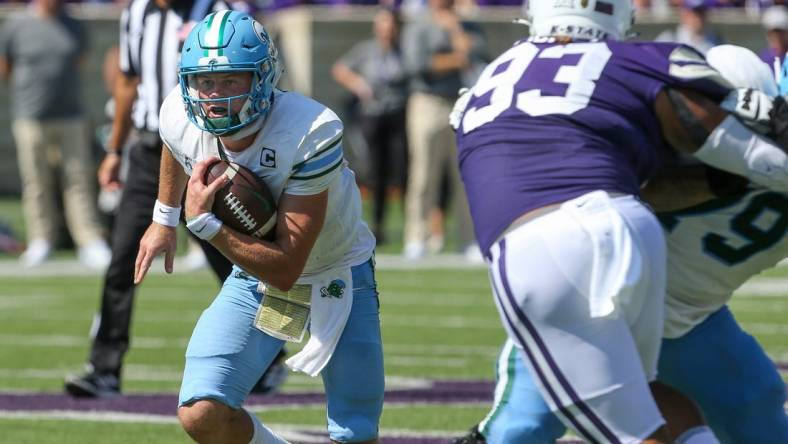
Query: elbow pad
[{"x": 734, "y": 148}]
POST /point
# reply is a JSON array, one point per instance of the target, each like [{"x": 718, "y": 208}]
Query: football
[{"x": 245, "y": 204}]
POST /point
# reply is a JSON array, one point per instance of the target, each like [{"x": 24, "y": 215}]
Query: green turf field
[{"x": 437, "y": 324}]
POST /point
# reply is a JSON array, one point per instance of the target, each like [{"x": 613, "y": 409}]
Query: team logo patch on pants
[{"x": 334, "y": 290}]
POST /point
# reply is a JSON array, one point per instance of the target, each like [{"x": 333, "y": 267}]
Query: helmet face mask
[
  {"x": 228, "y": 42},
  {"x": 218, "y": 107},
  {"x": 580, "y": 19}
]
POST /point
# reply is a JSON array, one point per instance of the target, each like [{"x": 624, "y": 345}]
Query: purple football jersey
[{"x": 549, "y": 122}]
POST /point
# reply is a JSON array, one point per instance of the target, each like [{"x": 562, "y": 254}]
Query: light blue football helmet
[{"x": 229, "y": 41}]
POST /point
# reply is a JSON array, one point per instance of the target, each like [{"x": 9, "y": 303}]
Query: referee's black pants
[{"x": 111, "y": 339}]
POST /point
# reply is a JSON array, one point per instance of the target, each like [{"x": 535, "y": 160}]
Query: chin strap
[{"x": 247, "y": 130}]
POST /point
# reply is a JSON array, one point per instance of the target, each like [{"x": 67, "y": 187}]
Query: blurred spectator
[
  {"x": 372, "y": 70},
  {"x": 438, "y": 49},
  {"x": 693, "y": 28},
  {"x": 40, "y": 50},
  {"x": 775, "y": 22}
]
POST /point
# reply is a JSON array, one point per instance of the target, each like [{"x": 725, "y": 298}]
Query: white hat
[{"x": 775, "y": 17}]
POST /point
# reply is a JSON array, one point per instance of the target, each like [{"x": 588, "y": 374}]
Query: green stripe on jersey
[
  {"x": 319, "y": 153},
  {"x": 322, "y": 173}
]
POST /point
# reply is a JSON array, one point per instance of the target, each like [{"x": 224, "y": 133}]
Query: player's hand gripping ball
[{"x": 245, "y": 204}]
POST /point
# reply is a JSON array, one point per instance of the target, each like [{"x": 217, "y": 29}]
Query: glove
[
  {"x": 779, "y": 122},
  {"x": 752, "y": 107}
]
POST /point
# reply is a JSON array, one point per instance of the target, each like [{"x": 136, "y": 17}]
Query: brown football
[{"x": 245, "y": 204}]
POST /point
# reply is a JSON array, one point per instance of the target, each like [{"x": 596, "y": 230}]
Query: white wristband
[
  {"x": 205, "y": 226},
  {"x": 166, "y": 215}
]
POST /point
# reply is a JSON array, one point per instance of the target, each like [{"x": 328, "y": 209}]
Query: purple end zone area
[
  {"x": 166, "y": 404},
  {"x": 439, "y": 392}
]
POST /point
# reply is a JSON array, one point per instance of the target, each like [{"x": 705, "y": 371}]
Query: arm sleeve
[{"x": 319, "y": 159}]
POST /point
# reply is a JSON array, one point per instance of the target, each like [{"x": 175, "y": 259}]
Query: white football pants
[{"x": 581, "y": 291}]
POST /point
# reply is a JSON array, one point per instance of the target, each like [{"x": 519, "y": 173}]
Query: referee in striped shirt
[{"x": 151, "y": 35}]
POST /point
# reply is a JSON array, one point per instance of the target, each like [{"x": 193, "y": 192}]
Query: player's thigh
[
  {"x": 588, "y": 368},
  {"x": 519, "y": 413},
  {"x": 353, "y": 378},
  {"x": 734, "y": 382},
  {"x": 226, "y": 354}
]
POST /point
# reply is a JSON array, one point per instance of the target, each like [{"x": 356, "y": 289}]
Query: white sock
[
  {"x": 697, "y": 435},
  {"x": 262, "y": 434}
]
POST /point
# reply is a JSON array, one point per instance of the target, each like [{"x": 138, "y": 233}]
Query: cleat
[
  {"x": 473, "y": 437},
  {"x": 93, "y": 385}
]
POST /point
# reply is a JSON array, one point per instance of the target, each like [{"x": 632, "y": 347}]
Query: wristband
[
  {"x": 166, "y": 215},
  {"x": 205, "y": 226}
]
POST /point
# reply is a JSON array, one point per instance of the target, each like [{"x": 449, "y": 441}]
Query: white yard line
[
  {"x": 134, "y": 372},
  {"x": 72, "y": 267},
  {"x": 290, "y": 432}
]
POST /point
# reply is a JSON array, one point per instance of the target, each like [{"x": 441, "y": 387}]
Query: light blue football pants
[
  {"x": 227, "y": 354},
  {"x": 717, "y": 364}
]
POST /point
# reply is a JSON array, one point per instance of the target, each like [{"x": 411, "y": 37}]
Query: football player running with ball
[
  {"x": 563, "y": 129},
  {"x": 317, "y": 271}
]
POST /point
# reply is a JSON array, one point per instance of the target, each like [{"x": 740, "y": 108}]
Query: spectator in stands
[
  {"x": 693, "y": 28},
  {"x": 372, "y": 70},
  {"x": 439, "y": 49},
  {"x": 775, "y": 21},
  {"x": 41, "y": 48}
]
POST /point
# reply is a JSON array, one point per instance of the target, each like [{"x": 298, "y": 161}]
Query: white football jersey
[
  {"x": 298, "y": 151},
  {"x": 714, "y": 248}
]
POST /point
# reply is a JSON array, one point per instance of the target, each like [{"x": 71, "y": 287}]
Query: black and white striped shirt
[{"x": 150, "y": 42}]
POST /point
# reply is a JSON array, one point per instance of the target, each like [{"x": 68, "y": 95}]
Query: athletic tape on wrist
[
  {"x": 166, "y": 215},
  {"x": 205, "y": 226}
]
